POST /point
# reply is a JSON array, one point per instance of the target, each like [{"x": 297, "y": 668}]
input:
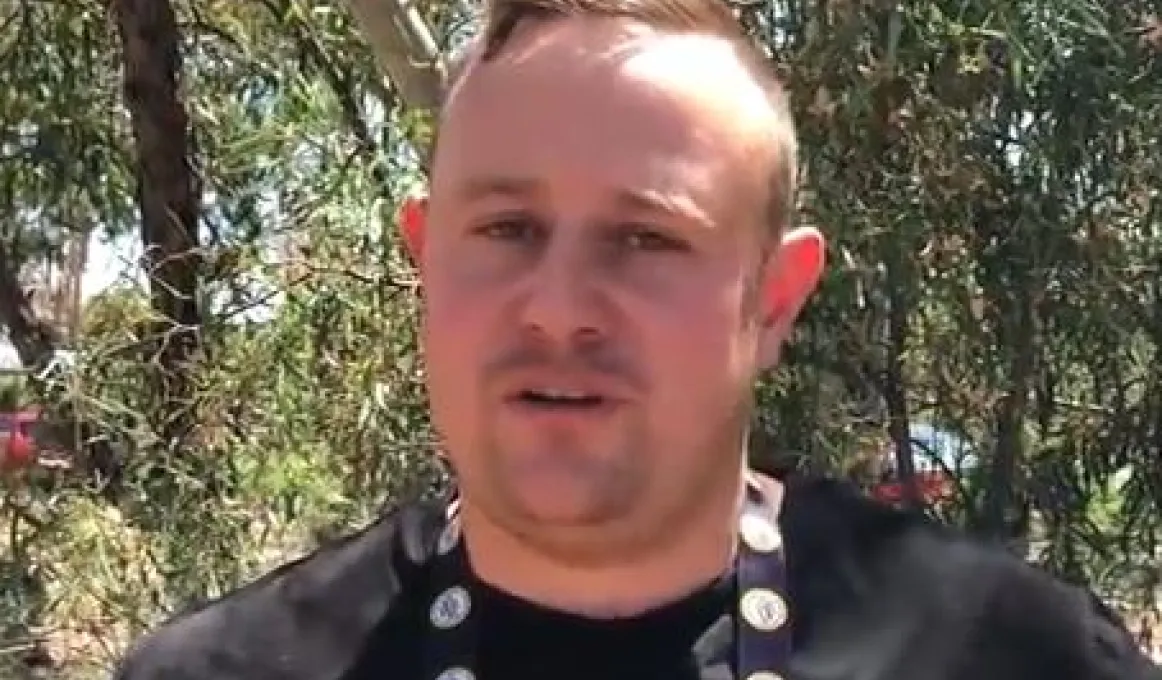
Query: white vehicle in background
[{"x": 941, "y": 460}]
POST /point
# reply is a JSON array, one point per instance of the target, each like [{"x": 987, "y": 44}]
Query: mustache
[{"x": 598, "y": 359}]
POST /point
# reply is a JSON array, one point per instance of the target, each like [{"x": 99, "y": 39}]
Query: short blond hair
[{"x": 706, "y": 17}]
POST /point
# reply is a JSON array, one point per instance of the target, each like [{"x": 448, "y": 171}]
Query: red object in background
[
  {"x": 411, "y": 221},
  {"x": 934, "y": 486},
  {"x": 17, "y": 448}
]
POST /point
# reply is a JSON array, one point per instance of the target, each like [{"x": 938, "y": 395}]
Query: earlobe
[
  {"x": 412, "y": 219},
  {"x": 791, "y": 275}
]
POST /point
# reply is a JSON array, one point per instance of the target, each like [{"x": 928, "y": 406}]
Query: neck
[{"x": 695, "y": 551}]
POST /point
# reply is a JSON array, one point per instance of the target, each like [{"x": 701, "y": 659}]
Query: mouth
[{"x": 560, "y": 399}]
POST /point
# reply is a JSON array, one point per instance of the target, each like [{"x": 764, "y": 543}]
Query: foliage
[{"x": 11, "y": 393}]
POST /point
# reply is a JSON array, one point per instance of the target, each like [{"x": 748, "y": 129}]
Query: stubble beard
[
  {"x": 614, "y": 527},
  {"x": 599, "y": 529}
]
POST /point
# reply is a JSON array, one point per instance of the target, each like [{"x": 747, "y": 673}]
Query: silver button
[
  {"x": 456, "y": 673},
  {"x": 763, "y": 609},
  {"x": 451, "y": 608},
  {"x": 759, "y": 533}
]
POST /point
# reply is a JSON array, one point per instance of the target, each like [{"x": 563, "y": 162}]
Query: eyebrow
[{"x": 481, "y": 188}]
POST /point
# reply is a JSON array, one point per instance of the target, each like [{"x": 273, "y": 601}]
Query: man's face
[{"x": 597, "y": 297}]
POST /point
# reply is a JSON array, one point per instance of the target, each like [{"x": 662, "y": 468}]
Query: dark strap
[
  {"x": 762, "y": 617},
  {"x": 450, "y": 652}
]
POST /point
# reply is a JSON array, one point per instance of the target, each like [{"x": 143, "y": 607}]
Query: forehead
[{"x": 608, "y": 98}]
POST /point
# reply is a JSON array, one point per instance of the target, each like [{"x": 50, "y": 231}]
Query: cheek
[
  {"x": 699, "y": 352},
  {"x": 699, "y": 392},
  {"x": 455, "y": 326},
  {"x": 455, "y": 309}
]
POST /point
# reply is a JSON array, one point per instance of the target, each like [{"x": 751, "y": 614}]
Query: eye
[
  {"x": 511, "y": 228},
  {"x": 646, "y": 238}
]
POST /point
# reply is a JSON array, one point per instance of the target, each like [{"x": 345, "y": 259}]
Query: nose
[{"x": 563, "y": 300}]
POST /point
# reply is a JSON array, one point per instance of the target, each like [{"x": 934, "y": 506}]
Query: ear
[
  {"x": 790, "y": 275},
  {"x": 413, "y": 226}
]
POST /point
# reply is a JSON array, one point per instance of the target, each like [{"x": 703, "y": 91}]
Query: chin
[
  {"x": 564, "y": 488},
  {"x": 565, "y": 505},
  {"x": 580, "y": 533}
]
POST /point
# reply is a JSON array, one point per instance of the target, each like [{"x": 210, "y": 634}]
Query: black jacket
[{"x": 876, "y": 593}]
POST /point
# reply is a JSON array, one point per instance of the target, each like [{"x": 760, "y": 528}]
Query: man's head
[{"x": 608, "y": 264}]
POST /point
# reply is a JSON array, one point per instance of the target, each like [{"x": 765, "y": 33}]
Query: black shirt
[
  {"x": 549, "y": 644},
  {"x": 876, "y": 594}
]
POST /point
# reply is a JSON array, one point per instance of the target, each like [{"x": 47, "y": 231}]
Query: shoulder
[
  {"x": 1049, "y": 628},
  {"x": 963, "y": 601},
  {"x": 306, "y": 619},
  {"x": 850, "y": 556}
]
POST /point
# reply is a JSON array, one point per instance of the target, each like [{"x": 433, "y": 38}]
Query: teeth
[{"x": 561, "y": 394}]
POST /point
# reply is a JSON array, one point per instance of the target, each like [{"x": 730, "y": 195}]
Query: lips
[
  {"x": 564, "y": 393},
  {"x": 560, "y": 397}
]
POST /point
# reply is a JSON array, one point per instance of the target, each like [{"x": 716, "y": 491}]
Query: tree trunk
[
  {"x": 32, "y": 337},
  {"x": 1011, "y": 281},
  {"x": 168, "y": 196},
  {"x": 405, "y": 47},
  {"x": 895, "y": 383}
]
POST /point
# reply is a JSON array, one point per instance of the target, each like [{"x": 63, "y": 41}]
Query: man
[{"x": 608, "y": 262}]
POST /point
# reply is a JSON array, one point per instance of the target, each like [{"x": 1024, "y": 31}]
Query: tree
[{"x": 167, "y": 196}]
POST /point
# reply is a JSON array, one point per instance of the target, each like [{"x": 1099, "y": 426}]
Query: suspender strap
[{"x": 762, "y": 617}]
